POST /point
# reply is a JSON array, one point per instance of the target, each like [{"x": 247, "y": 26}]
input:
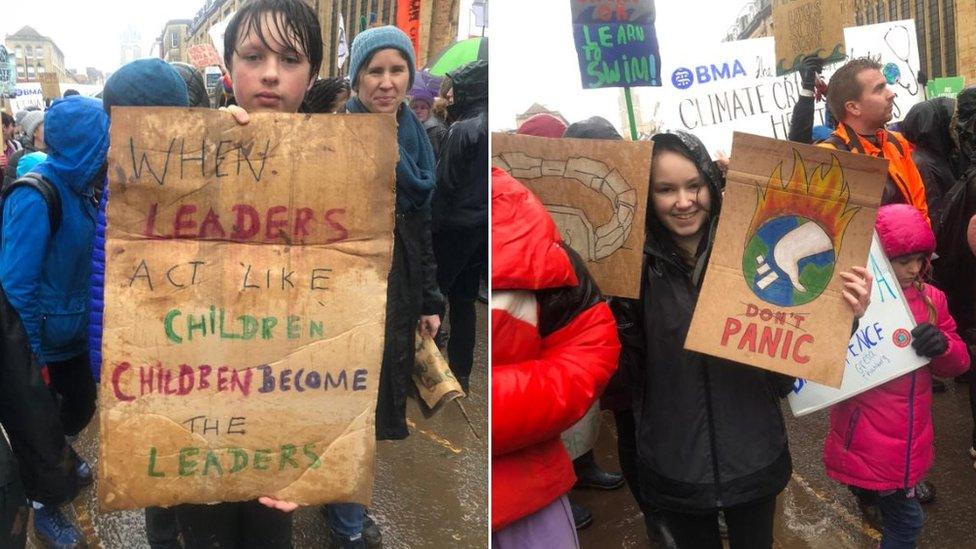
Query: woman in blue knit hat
[{"x": 381, "y": 72}]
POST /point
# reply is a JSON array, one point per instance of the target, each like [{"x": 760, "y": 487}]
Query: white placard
[
  {"x": 732, "y": 85},
  {"x": 879, "y": 351}
]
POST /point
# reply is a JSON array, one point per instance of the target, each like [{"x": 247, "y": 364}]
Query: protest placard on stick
[
  {"x": 879, "y": 350},
  {"x": 595, "y": 191},
  {"x": 245, "y": 298},
  {"x": 616, "y": 43},
  {"x": 793, "y": 218},
  {"x": 805, "y": 27}
]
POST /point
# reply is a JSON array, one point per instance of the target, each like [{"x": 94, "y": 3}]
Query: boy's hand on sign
[
  {"x": 239, "y": 114},
  {"x": 857, "y": 289},
  {"x": 285, "y": 506},
  {"x": 429, "y": 324}
]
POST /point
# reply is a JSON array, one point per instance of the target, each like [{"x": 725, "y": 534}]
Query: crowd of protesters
[
  {"x": 701, "y": 441},
  {"x": 52, "y": 255}
]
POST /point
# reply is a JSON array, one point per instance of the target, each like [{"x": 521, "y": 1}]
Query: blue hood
[{"x": 76, "y": 134}]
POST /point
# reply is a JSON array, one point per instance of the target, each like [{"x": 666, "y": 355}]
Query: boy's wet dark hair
[{"x": 297, "y": 22}]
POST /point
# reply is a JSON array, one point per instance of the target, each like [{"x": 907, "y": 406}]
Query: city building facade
[
  {"x": 438, "y": 24},
  {"x": 173, "y": 41},
  {"x": 35, "y": 54}
]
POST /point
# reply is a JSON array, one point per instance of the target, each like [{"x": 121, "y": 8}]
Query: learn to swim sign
[
  {"x": 616, "y": 43},
  {"x": 245, "y": 294},
  {"x": 596, "y": 192},
  {"x": 879, "y": 350},
  {"x": 793, "y": 218}
]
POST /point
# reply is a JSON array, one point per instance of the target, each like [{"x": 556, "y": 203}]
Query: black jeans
[
  {"x": 14, "y": 512},
  {"x": 234, "y": 525},
  {"x": 750, "y": 526},
  {"x": 74, "y": 387},
  {"x": 462, "y": 253}
]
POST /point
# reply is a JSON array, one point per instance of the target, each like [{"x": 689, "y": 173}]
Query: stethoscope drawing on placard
[{"x": 902, "y": 51}]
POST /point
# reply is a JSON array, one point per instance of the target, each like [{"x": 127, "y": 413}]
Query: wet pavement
[
  {"x": 814, "y": 511},
  {"x": 431, "y": 490}
]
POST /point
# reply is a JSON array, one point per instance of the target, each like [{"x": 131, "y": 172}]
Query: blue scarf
[{"x": 416, "y": 169}]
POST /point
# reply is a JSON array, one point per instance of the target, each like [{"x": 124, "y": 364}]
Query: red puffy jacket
[{"x": 554, "y": 348}]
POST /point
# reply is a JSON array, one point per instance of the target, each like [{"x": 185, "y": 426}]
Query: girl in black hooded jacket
[{"x": 710, "y": 433}]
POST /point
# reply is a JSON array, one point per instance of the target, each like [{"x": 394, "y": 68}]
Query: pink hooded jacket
[{"x": 882, "y": 438}]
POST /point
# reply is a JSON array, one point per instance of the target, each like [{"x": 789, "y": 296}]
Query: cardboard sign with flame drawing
[{"x": 794, "y": 217}]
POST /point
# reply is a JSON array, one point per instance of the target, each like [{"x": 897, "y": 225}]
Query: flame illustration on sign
[{"x": 796, "y": 232}]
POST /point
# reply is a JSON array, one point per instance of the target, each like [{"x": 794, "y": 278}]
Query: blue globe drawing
[{"x": 788, "y": 261}]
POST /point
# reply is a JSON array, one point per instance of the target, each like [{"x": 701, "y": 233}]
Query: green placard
[{"x": 949, "y": 86}]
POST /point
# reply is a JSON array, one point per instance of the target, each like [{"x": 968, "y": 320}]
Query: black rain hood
[
  {"x": 595, "y": 127},
  {"x": 964, "y": 125},
  {"x": 658, "y": 241},
  {"x": 927, "y": 125},
  {"x": 470, "y": 85}
]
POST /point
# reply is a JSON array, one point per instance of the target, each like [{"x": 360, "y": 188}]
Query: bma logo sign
[{"x": 683, "y": 77}]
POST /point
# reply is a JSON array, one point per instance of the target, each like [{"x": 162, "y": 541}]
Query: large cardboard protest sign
[
  {"x": 616, "y": 43},
  {"x": 879, "y": 350},
  {"x": 793, "y": 218},
  {"x": 731, "y": 86},
  {"x": 804, "y": 27},
  {"x": 595, "y": 191},
  {"x": 245, "y": 293}
]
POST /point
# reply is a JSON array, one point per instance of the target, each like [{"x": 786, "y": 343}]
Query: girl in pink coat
[{"x": 881, "y": 440}]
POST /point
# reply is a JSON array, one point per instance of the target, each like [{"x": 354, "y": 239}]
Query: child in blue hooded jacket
[{"x": 45, "y": 275}]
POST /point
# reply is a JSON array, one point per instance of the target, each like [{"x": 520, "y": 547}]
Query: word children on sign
[
  {"x": 616, "y": 43},
  {"x": 793, "y": 218},
  {"x": 245, "y": 292}
]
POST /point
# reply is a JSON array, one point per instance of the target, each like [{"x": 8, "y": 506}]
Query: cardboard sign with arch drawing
[{"x": 595, "y": 191}]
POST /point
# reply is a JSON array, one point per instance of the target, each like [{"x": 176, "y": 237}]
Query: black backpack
[{"x": 48, "y": 191}]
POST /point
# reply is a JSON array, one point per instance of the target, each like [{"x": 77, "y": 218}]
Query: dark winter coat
[
  {"x": 710, "y": 433},
  {"x": 926, "y": 126},
  {"x": 461, "y": 198},
  {"x": 955, "y": 268}
]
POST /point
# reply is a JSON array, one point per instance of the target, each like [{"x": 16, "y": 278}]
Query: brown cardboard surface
[
  {"x": 595, "y": 191},
  {"x": 245, "y": 292},
  {"x": 50, "y": 86},
  {"x": 803, "y": 27},
  {"x": 744, "y": 312}
]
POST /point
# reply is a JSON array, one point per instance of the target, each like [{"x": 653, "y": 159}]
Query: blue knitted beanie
[
  {"x": 145, "y": 83},
  {"x": 375, "y": 39}
]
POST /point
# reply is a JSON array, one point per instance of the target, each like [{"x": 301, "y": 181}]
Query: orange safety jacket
[{"x": 902, "y": 172}]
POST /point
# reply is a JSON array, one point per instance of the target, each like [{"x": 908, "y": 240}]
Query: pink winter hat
[
  {"x": 903, "y": 230},
  {"x": 542, "y": 125}
]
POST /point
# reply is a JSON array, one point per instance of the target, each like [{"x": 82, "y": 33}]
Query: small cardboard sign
[
  {"x": 879, "y": 350},
  {"x": 616, "y": 43},
  {"x": 793, "y": 218},
  {"x": 245, "y": 299},
  {"x": 204, "y": 55},
  {"x": 595, "y": 191},
  {"x": 50, "y": 86},
  {"x": 804, "y": 27}
]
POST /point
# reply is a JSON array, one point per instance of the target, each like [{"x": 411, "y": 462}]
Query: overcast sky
[
  {"x": 89, "y": 31},
  {"x": 533, "y": 58}
]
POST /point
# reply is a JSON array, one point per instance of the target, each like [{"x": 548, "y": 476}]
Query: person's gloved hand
[
  {"x": 929, "y": 341},
  {"x": 810, "y": 68}
]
